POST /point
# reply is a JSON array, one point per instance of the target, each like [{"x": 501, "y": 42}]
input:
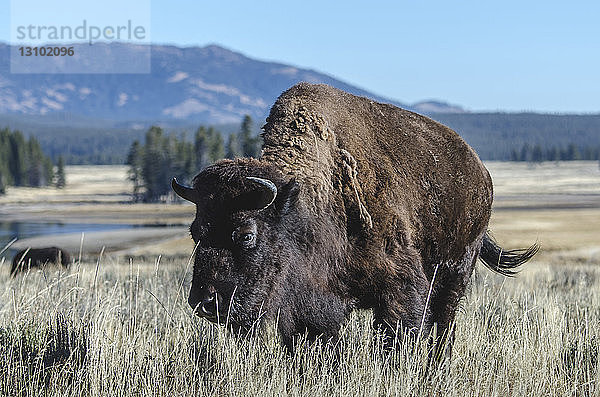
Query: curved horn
[
  {"x": 184, "y": 192},
  {"x": 268, "y": 190}
]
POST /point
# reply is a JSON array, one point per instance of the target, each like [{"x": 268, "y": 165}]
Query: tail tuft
[{"x": 502, "y": 261}]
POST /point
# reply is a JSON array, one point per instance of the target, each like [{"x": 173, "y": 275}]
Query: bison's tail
[{"x": 502, "y": 261}]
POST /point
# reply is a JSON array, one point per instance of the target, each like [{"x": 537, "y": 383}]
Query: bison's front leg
[
  {"x": 314, "y": 314},
  {"x": 400, "y": 310}
]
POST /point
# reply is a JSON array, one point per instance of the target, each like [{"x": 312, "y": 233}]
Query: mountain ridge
[{"x": 210, "y": 84}]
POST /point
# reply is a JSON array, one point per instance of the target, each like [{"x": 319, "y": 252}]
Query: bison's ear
[{"x": 287, "y": 197}]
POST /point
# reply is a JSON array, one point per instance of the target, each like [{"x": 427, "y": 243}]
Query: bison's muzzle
[{"x": 207, "y": 303}]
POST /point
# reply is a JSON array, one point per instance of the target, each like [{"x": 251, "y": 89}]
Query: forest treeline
[
  {"x": 162, "y": 156},
  {"x": 499, "y": 136},
  {"x": 23, "y": 163},
  {"x": 25, "y": 159},
  {"x": 494, "y": 136},
  {"x": 153, "y": 163},
  {"x": 537, "y": 153}
]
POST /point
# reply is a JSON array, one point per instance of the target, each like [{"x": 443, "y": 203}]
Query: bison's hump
[{"x": 406, "y": 165}]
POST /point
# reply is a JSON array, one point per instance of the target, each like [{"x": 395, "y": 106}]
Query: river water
[{"x": 21, "y": 230}]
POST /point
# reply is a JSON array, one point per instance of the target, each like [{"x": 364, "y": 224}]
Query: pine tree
[
  {"x": 2, "y": 181},
  {"x": 134, "y": 174},
  {"x": 162, "y": 157},
  {"x": 200, "y": 148},
  {"x": 232, "y": 149},
  {"x": 48, "y": 170},
  {"x": 156, "y": 167},
  {"x": 183, "y": 159},
  {"x": 553, "y": 154},
  {"x": 35, "y": 172},
  {"x": 23, "y": 163},
  {"x": 17, "y": 159},
  {"x": 514, "y": 156},
  {"x": 61, "y": 180},
  {"x": 249, "y": 143},
  {"x": 573, "y": 152},
  {"x": 208, "y": 147},
  {"x": 524, "y": 153},
  {"x": 216, "y": 147},
  {"x": 4, "y": 156},
  {"x": 537, "y": 156}
]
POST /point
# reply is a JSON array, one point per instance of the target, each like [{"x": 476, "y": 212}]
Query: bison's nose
[
  {"x": 210, "y": 305},
  {"x": 207, "y": 305}
]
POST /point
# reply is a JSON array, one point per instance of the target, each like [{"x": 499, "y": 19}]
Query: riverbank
[
  {"x": 99, "y": 195},
  {"x": 115, "y": 242}
]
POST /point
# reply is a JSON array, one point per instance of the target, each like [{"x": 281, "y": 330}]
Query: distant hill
[{"x": 204, "y": 84}]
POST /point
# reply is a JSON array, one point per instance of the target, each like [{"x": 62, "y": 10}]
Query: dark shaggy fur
[
  {"x": 38, "y": 257},
  {"x": 372, "y": 202}
]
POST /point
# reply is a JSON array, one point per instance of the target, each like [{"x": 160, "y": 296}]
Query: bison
[
  {"x": 353, "y": 204},
  {"x": 39, "y": 257}
]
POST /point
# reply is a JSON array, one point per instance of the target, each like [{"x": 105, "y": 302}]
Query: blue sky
[{"x": 509, "y": 55}]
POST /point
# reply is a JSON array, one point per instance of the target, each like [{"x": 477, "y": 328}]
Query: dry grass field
[{"x": 114, "y": 325}]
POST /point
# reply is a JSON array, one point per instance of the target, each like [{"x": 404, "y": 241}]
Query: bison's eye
[
  {"x": 244, "y": 237},
  {"x": 247, "y": 237}
]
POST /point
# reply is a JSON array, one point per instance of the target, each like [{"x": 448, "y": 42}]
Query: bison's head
[{"x": 242, "y": 232}]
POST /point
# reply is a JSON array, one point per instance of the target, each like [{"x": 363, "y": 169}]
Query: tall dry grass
[{"x": 115, "y": 329}]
